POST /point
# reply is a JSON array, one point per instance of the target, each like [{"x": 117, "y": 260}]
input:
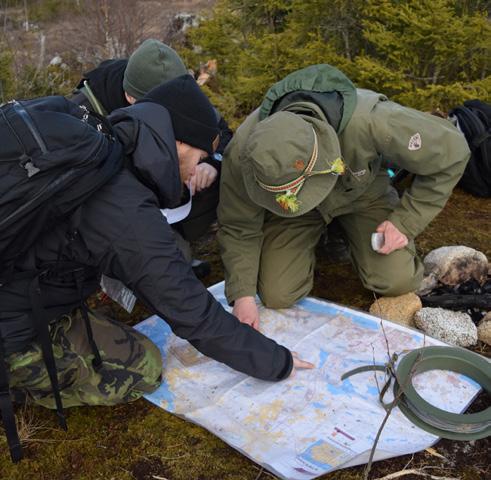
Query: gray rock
[
  {"x": 455, "y": 328},
  {"x": 456, "y": 265}
]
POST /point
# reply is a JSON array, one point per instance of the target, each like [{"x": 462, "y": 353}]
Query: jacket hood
[
  {"x": 322, "y": 85},
  {"x": 106, "y": 83},
  {"x": 145, "y": 130}
]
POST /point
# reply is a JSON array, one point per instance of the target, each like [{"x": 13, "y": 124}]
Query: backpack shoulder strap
[
  {"x": 479, "y": 140},
  {"x": 96, "y": 105},
  {"x": 7, "y": 410}
]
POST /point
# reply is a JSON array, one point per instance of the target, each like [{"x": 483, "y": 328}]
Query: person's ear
[{"x": 131, "y": 100}]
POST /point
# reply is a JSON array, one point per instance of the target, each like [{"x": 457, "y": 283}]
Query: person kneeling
[{"x": 121, "y": 233}]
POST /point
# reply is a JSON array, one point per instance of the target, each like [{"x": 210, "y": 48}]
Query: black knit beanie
[{"x": 193, "y": 117}]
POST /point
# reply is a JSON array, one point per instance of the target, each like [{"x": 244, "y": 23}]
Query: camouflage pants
[{"x": 132, "y": 365}]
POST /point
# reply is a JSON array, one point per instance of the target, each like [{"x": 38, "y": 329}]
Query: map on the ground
[{"x": 313, "y": 423}]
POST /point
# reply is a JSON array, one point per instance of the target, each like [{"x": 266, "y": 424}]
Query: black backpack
[
  {"x": 54, "y": 156},
  {"x": 474, "y": 119}
]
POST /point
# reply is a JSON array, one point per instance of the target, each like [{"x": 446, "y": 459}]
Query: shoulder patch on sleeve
[{"x": 414, "y": 142}]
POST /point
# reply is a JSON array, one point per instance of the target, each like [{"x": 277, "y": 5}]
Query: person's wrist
[{"x": 242, "y": 300}]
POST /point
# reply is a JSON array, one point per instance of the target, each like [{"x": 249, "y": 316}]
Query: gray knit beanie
[{"x": 151, "y": 64}]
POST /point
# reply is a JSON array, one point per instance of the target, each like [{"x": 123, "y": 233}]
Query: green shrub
[
  {"x": 7, "y": 80},
  {"x": 424, "y": 53}
]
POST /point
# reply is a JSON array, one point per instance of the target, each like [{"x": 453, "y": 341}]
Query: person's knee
[
  {"x": 393, "y": 289},
  {"x": 393, "y": 283},
  {"x": 273, "y": 296},
  {"x": 151, "y": 367}
]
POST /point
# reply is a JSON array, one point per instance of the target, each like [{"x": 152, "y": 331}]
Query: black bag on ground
[
  {"x": 55, "y": 155},
  {"x": 474, "y": 119}
]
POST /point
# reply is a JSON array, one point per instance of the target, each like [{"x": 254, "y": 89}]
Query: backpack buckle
[
  {"x": 31, "y": 169},
  {"x": 26, "y": 163}
]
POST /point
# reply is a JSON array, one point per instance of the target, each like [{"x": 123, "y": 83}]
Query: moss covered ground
[{"x": 141, "y": 442}]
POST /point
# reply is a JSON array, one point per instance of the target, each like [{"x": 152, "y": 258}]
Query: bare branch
[{"x": 414, "y": 471}]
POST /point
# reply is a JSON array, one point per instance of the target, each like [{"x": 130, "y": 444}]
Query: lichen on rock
[
  {"x": 399, "y": 309},
  {"x": 454, "y": 265},
  {"x": 455, "y": 328}
]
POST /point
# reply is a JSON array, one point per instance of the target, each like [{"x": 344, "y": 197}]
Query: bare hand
[
  {"x": 203, "y": 177},
  {"x": 245, "y": 309},
  {"x": 299, "y": 363},
  {"x": 393, "y": 238}
]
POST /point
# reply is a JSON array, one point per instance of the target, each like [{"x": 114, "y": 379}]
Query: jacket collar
[{"x": 323, "y": 85}]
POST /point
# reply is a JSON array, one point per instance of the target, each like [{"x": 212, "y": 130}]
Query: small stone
[
  {"x": 455, "y": 328},
  {"x": 484, "y": 329},
  {"x": 399, "y": 309},
  {"x": 456, "y": 265}
]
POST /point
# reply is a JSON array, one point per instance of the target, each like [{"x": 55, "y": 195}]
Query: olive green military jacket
[{"x": 372, "y": 129}]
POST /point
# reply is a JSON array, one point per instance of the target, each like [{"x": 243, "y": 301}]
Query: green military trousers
[
  {"x": 132, "y": 365},
  {"x": 286, "y": 270}
]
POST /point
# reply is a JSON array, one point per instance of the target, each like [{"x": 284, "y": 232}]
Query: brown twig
[
  {"x": 392, "y": 405},
  {"x": 259, "y": 474},
  {"x": 366, "y": 472},
  {"x": 408, "y": 463},
  {"x": 415, "y": 471},
  {"x": 262, "y": 470}
]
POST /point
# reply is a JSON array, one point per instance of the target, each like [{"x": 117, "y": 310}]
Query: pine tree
[
  {"x": 423, "y": 53},
  {"x": 425, "y": 45}
]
